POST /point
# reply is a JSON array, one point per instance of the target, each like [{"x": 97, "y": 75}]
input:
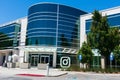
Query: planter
[
  {"x": 42, "y": 66},
  {"x": 11, "y": 65},
  {"x": 17, "y": 64},
  {"x": 24, "y": 65}
]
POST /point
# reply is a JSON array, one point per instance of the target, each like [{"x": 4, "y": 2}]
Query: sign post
[
  {"x": 111, "y": 59},
  {"x": 47, "y": 69},
  {"x": 80, "y": 58},
  {"x": 9, "y": 60}
]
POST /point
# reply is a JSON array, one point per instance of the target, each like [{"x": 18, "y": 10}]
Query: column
[
  {"x": 26, "y": 55},
  {"x": 54, "y": 59},
  {"x": 21, "y": 56},
  {"x": 1, "y": 58},
  {"x": 102, "y": 62}
]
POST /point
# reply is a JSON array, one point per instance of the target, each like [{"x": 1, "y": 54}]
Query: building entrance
[
  {"x": 34, "y": 59},
  {"x": 44, "y": 59}
]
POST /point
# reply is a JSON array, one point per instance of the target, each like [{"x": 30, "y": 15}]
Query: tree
[
  {"x": 102, "y": 37},
  {"x": 86, "y": 53},
  {"x": 117, "y": 54}
]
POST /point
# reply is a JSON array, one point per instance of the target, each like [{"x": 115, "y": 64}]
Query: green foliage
[
  {"x": 117, "y": 54},
  {"x": 86, "y": 53},
  {"x": 102, "y": 37}
]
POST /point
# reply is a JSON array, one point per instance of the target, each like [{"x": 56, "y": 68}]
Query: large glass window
[
  {"x": 113, "y": 20},
  {"x": 9, "y": 35},
  {"x": 43, "y": 41},
  {"x": 50, "y": 22},
  {"x": 43, "y": 8},
  {"x": 42, "y": 24}
]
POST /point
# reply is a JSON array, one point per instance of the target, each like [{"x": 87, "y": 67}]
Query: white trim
[
  {"x": 113, "y": 16},
  {"x": 42, "y": 13},
  {"x": 42, "y": 16},
  {"x": 7, "y": 33},
  {"x": 47, "y": 36},
  {"x": 11, "y": 22},
  {"x": 39, "y": 29},
  {"x": 51, "y": 19},
  {"x": 54, "y": 12},
  {"x": 40, "y": 20}
]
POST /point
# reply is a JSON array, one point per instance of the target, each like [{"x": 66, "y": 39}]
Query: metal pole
[
  {"x": 47, "y": 69},
  {"x": 93, "y": 61},
  {"x": 110, "y": 64},
  {"x": 80, "y": 64},
  {"x": 98, "y": 60}
]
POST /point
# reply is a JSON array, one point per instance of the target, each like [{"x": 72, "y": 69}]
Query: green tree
[
  {"x": 117, "y": 54},
  {"x": 86, "y": 53},
  {"x": 102, "y": 37}
]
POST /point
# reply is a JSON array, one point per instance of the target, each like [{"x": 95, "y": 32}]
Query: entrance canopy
[
  {"x": 48, "y": 49},
  {"x": 38, "y": 49}
]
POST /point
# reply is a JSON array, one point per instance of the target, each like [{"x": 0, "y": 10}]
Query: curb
[{"x": 56, "y": 75}]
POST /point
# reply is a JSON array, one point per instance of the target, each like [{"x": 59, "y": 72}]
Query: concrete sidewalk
[{"x": 15, "y": 71}]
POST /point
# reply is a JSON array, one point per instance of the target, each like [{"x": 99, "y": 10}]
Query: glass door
[
  {"x": 44, "y": 59},
  {"x": 34, "y": 60}
]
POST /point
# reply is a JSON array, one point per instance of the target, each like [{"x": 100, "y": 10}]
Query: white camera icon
[{"x": 65, "y": 62}]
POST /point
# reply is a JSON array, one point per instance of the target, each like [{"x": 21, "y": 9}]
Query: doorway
[
  {"x": 44, "y": 59},
  {"x": 34, "y": 60}
]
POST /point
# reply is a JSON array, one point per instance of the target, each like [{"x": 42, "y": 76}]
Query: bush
[{"x": 97, "y": 70}]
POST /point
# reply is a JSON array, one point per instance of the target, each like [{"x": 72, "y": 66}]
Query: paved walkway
[{"x": 34, "y": 71}]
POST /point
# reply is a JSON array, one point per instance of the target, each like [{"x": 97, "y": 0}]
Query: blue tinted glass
[
  {"x": 43, "y": 14},
  {"x": 67, "y": 19},
  {"x": 88, "y": 25},
  {"x": 7, "y": 29},
  {"x": 67, "y": 16},
  {"x": 42, "y": 17},
  {"x": 42, "y": 24},
  {"x": 41, "y": 30},
  {"x": 43, "y": 8},
  {"x": 70, "y": 11},
  {"x": 67, "y": 28},
  {"x": 114, "y": 20},
  {"x": 42, "y": 34},
  {"x": 66, "y": 23},
  {"x": 47, "y": 41},
  {"x": 8, "y": 34}
]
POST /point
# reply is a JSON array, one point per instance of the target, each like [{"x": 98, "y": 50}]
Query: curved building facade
[{"x": 53, "y": 25}]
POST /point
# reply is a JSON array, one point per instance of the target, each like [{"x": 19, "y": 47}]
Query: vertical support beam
[
  {"x": 54, "y": 59},
  {"x": 57, "y": 24},
  {"x": 26, "y": 56},
  {"x": 21, "y": 55},
  {"x": 1, "y": 58}
]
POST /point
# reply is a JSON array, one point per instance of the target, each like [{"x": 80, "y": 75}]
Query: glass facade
[
  {"x": 53, "y": 25},
  {"x": 9, "y": 35},
  {"x": 113, "y": 20}
]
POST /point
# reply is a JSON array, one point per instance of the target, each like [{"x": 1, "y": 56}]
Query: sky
[{"x": 13, "y": 9}]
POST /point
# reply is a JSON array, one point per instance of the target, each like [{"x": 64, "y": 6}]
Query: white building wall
[
  {"x": 23, "y": 23},
  {"x": 85, "y": 17}
]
